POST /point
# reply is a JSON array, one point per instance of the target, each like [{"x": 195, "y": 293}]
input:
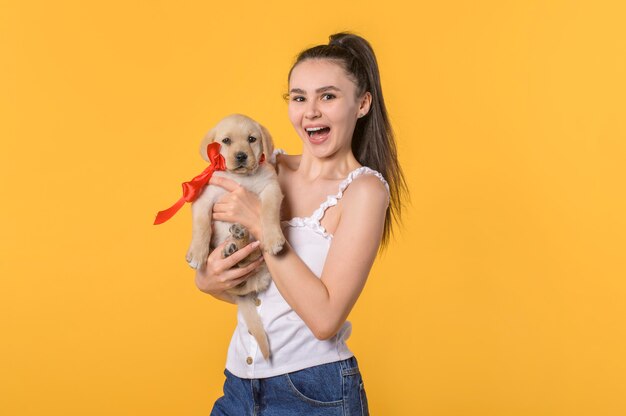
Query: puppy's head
[{"x": 242, "y": 141}]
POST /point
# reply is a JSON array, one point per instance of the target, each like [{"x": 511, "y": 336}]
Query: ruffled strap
[{"x": 333, "y": 199}]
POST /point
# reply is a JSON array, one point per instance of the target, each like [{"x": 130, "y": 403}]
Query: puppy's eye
[
  {"x": 251, "y": 139},
  {"x": 226, "y": 140}
]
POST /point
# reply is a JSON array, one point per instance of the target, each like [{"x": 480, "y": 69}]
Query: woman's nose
[{"x": 312, "y": 111}]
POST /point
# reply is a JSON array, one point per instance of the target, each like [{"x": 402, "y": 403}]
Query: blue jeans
[{"x": 327, "y": 389}]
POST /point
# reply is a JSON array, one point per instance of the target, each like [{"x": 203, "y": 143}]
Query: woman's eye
[
  {"x": 226, "y": 140},
  {"x": 297, "y": 98},
  {"x": 328, "y": 96},
  {"x": 251, "y": 139}
]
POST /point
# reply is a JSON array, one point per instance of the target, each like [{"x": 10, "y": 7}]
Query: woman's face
[{"x": 323, "y": 106}]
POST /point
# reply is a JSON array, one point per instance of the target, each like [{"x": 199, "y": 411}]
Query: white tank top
[{"x": 292, "y": 344}]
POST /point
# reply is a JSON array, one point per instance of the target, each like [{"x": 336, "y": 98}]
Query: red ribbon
[{"x": 193, "y": 188}]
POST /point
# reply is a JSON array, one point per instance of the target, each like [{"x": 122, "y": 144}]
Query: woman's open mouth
[{"x": 318, "y": 134}]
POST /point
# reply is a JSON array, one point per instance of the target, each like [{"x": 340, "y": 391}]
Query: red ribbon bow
[{"x": 193, "y": 188}]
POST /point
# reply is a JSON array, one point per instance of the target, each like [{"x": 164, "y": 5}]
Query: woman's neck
[{"x": 336, "y": 166}]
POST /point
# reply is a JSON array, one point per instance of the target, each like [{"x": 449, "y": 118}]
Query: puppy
[{"x": 246, "y": 147}]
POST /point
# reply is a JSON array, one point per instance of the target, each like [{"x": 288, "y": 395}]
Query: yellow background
[{"x": 503, "y": 294}]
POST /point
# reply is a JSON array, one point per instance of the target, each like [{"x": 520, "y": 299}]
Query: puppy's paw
[
  {"x": 238, "y": 231},
  {"x": 273, "y": 242},
  {"x": 196, "y": 258},
  {"x": 229, "y": 249}
]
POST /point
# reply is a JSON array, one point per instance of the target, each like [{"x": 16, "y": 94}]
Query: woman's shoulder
[
  {"x": 365, "y": 200},
  {"x": 367, "y": 186},
  {"x": 364, "y": 187}
]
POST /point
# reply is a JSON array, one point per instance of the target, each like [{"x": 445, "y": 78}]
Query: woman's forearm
[{"x": 305, "y": 292}]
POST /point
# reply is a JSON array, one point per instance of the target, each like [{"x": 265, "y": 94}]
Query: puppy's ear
[
  {"x": 268, "y": 144},
  {"x": 208, "y": 139}
]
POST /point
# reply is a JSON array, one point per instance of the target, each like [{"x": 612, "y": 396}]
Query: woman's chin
[{"x": 322, "y": 151}]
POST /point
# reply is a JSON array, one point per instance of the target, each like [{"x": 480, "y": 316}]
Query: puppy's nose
[{"x": 241, "y": 156}]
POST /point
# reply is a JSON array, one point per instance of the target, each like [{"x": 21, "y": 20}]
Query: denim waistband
[{"x": 349, "y": 366}]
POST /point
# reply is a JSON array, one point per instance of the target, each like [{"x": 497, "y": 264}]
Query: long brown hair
[{"x": 373, "y": 142}]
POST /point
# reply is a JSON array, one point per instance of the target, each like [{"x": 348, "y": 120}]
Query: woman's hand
[
  {"x": 238, "y": 206},
  {"x": 219, "y": 273}
]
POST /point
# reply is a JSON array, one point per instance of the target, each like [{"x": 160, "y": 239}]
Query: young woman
[{"x": 341, "y": 195}]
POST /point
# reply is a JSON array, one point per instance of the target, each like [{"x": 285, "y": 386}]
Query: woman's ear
[
  {"x": 268, "y": 144},
  {"x": 365, "y": 104},
  {"x": 208, "y": 139}
]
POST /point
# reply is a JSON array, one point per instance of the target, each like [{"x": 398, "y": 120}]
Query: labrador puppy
[{"x": 247, "y": 149}]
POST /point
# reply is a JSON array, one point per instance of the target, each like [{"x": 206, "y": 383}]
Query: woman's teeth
[{"x": 317, "y": 130}]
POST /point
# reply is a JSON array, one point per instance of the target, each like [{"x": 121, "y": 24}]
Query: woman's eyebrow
[
  {"x": 328, "y": 88},
  {"x": 321, "y": 89}
]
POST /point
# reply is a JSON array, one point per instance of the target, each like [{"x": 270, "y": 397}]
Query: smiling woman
[
  {"x": 339, "y": 194},
  {"x": 327, "y": 112}
]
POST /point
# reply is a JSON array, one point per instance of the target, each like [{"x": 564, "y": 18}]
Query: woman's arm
[{"x": 324, "y": 303}]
